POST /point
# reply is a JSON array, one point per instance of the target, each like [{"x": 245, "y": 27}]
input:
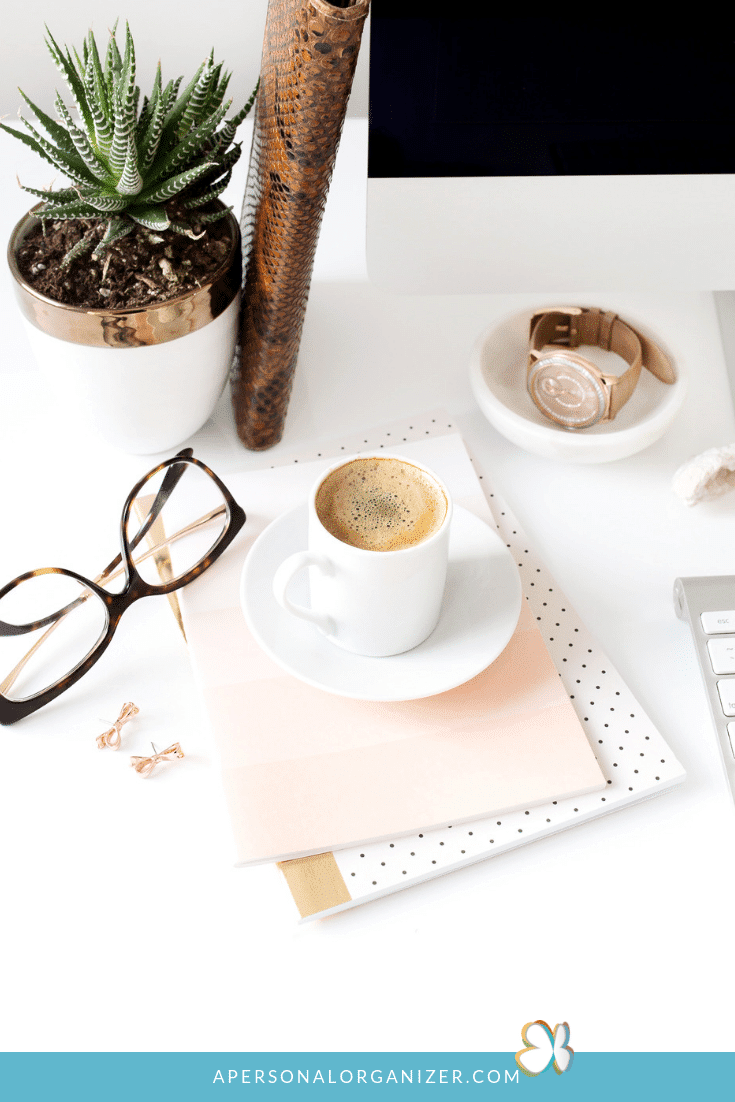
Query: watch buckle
[{"x": 566, "y": 328}]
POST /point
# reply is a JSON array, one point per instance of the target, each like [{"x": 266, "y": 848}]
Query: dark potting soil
[{"x": 141, "y": 268}]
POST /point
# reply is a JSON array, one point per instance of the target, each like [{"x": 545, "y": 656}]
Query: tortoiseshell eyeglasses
[{"x": 55, "y": 624}]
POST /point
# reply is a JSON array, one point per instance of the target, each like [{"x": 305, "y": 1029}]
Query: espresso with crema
[{"x": 381, "y": 504}]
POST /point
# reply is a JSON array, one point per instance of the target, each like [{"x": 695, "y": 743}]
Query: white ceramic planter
[{"x": 147, "y": 379}]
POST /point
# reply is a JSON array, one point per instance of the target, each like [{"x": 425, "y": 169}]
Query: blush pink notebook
[{"x": 306, "y": 771}]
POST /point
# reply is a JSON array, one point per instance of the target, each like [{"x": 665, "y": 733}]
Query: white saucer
[{"x": 482, "y": 603}]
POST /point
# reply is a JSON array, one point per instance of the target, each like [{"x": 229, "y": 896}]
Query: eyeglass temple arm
[{"x": 56, "y": 618}]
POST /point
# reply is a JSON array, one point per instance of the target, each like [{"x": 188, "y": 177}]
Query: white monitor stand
[
  {"x": 551, "y": 233},
  {"x": 549, "y": 153}
]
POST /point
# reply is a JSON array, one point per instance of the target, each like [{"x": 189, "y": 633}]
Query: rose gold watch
[{"x": 571, "y": 390}]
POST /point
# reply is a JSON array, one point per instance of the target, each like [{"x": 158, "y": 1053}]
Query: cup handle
[{"x": 282, "y": 579}]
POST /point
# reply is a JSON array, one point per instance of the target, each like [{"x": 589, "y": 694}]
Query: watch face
[{"x": 565, "y": 390}]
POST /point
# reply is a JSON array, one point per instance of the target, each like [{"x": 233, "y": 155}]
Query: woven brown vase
[{"x": 309, "y": 56}]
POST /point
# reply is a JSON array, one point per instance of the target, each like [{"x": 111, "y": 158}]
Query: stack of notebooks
[{"x": 356, "y": 799}]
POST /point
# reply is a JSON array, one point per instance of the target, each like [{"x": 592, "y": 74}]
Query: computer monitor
[{"x": 590, "y": 147}]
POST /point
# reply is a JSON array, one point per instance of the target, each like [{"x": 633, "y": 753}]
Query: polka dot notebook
[{"x": 628, "y": 755}]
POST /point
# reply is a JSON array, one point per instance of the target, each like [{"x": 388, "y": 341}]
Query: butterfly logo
[{"x": 544, "y": 1047}]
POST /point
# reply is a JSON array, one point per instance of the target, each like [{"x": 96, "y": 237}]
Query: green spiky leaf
[
  {"x": 113, "y": 62},
  {"x": 179, "y": 106},
  {"x": 82, "y": 144},
  {"x": 64, "y": 195},
  {"x": 81, "y": 248},
  {"x": 68, "y": 163},
  {"x": 153, "y": 218},
  {"x": 54, "y": 129},
  {"x": 124, "y": 108},
  {"x": 161, "y": 193},
  {"x": 76, "y": 86},
  {"x": 150, "y": 139},
  {"x": 209, "y": 195},
  {"x": 170, "y": 93},
  {"x": 34, "y": 145},
  {"x": 97, "y": 95},
  {"x": 197, "y": 102},
  {"x": 104, "y": 202},
  {"x": 79, "y": 209},
  {"x": 131, "y": 181},
  {"x": 213, "y": 216},
  {"x": 189, "y": 148},
  {"x": 186, "y": 230},
  {"x": 149, "y": 105},
  {"x": 223, "y": 167},
  {"x": 116, "y": 228}
]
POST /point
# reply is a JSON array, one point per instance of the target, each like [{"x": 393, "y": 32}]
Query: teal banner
[{"x": 241, "y": 1076}]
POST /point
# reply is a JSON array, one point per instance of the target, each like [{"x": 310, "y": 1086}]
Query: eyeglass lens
[
  {"x": 73, "y": 620},
  {"x": 182, "y": 526}
]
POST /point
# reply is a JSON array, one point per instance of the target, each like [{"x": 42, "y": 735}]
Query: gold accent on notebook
[{"x": 315, "y": 883}]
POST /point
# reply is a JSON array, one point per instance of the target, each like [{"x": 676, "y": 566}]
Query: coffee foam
[{"x": 380, "y": 504}]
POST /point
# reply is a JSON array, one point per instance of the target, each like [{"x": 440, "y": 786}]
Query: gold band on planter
[{"x": 151, "y": 324}]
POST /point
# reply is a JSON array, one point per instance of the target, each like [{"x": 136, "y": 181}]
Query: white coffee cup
[{"x": 375, "y": 602}]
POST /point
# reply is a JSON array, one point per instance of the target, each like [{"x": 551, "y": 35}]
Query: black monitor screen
[{"x": 602, "y": 90}]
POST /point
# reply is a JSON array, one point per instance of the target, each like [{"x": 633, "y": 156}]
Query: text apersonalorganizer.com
[{"x": 358, "y": 1076}]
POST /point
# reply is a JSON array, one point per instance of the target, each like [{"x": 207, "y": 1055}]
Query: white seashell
[{"x": 707, "y": 476}]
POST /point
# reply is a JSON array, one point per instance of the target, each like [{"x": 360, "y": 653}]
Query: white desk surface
[{"x": 123, "y": 923}]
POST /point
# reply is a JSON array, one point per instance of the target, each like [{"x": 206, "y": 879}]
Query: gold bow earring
[
  {"x": 112, "y": 737},
  {"x": 145, "y": 766}
]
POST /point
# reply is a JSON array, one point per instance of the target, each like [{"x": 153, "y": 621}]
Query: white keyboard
[{"x": 708, "y": 604}]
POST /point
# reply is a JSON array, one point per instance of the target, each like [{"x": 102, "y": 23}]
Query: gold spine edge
[{"x": 315, "y": 883}]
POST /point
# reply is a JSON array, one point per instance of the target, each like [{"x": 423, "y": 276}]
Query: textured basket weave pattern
[{"x": 309, "y": 55}]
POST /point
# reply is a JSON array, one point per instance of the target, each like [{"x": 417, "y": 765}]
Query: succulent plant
[{"x": 126, "y": 166}]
